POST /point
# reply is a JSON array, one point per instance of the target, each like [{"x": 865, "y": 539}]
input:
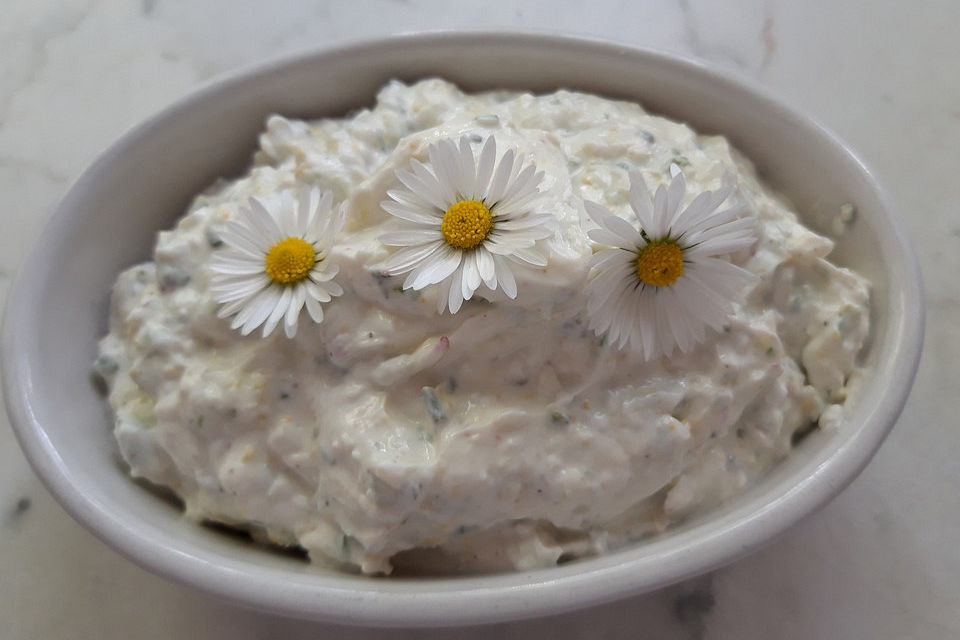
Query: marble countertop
[{"x": 878, "y": 562}]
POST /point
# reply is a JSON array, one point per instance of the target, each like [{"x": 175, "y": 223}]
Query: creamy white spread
[{"x": 506, "y": 435}]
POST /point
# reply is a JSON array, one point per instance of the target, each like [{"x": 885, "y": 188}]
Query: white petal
[
  {"x": 256, "y": 310},
  {"x": 433, "y": 182},
  {"x": 661, "y": 215},
  {"x": 407, "y": 259},
  {"x": 519, "y": 237},
  {"x": 629, "y": 237},
  {"x": 405, "y": 212},
  {"x": 293, "y": 312},
  {"x": 603, "y": 298},
  {"x": 529, "y": 256},
  {"x": 499, "y": 245},
  {"x": 620, "y": 322},
  {"x": 471, "y": 274},
  {"x": 525, "y": 222},
  {"x": 430, "y": 191},
  {"x": 694, "y": 213},
  {"x": 306, "y": 199},
  {"x": 606, "y": 284},
  {"x": 320, "y": 292},
  {"x": 519, "y": 205},
  {"x": 641, "y": 322},
  {"x": 596, "y": 212},
  {"x": 287, "y": 215},
  {"x": 315, "y": 309},
  {"x": 411, "y": 200},
  {"x": 239, "y": 239},
  {"x": 443, "y": 293},
  {"x": 708, "y": 229},
  {"x": 662, "y": 342},
  {"x": 231, "y": 308},
  {"x": 333, "y": 288},
  {"x": 487, "y": 267},
  {"x": 605, "y": 257},
  {"x": 685, "y": 324},
  {"x": 501, "y": 177},
  {"x": 411, "y": 237},
  {"x": 700, "y": 315},
  {"x": 505, "y": 277},
  {"x": 675, "y": 319},
  {"x": 232, "y": 266},
  {"x": 455, "y": 297},
  {"x": 718, "y": 220},
  {"x": 279, "y": 308},
  {"x": 610, "y": 239},
  {"x": 524, "y": 182},
  {"x": 627, "y": 305},
  {"x": 721, "y": 245},
  {"x": 726, "y": 278},
  {"x": 263, "y": 222},
  {"x": 619, "y": 316},
  {"x": 325, "y": 274},
  {"x": 640, "y": 201},
  {"x": 678, "y": 186},
  {"x": 444, "y": 165},
  {"x": 467, "y": 178},
  {"x": 435, "y": 269},
  {"x": 322, "y": 220},
  {"x": 731, "y": 232},
  {"x": 709, "y": 303},
  {"x": 234, "y": 288},
  {"x": 488, "y": 157},
  {"x": 646, "y": 310}
]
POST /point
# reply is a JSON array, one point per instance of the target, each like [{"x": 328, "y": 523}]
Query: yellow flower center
[
  {"x": 290, "y": 260},
  {"x": 466, "y": 224},
  {"x": 660, "y": 263}
]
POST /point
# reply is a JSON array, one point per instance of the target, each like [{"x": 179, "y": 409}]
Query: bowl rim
[{"x": 492, "y": 598}]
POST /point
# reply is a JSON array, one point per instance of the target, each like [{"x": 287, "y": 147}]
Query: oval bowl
[{"x": 57, "y": 311}]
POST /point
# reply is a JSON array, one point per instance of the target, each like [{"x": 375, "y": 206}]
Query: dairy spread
[{"x": 507, "y": 435}]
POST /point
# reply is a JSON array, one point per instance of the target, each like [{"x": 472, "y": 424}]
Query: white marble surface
[{"x": 880, "y": 561}]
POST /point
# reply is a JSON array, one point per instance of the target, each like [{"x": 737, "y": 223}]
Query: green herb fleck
[
  {"x": 172, "y": 277},
  {"x": 105, "y": 366},
  {"x": 326, "y": 455},
  {"x": 213, "y": 237},
  {"x": 678, "y": 159},
  {"x": 432, "y": 400},
  {"x": 559, "y": 419}
]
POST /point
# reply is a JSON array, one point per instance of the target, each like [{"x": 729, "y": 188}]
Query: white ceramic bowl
[{"x": 58, "y": 308}]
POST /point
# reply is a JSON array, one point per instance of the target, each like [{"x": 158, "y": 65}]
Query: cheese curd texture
[{"x": 506, "y": 436}]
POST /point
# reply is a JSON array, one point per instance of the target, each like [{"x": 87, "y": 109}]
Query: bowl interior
[{"x": 141, "y": 185}]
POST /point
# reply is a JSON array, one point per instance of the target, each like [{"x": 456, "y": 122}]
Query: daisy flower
[
  {"x": 274, "y": 262},
  {"x": 464, "y": 221},
  {"x": 660, "y": 287}
]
